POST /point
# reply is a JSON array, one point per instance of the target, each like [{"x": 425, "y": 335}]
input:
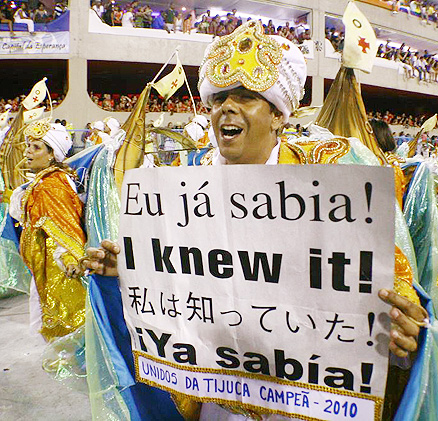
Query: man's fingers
[
  {"x": 405, "y": 343},
  {"x": 95, "y": 253},
  {"x": 408, "y": 308},
  {"x": 397, "y": 351},
  {"x": 102, "y": 260},
  {"x": 111, "y": 246},
  {"x": 407, "y": 326}
]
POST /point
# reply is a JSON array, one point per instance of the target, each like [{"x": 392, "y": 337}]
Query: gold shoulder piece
[
  {"x": 329, "y": 151},
  {"x": 291, "y": 153},
  {"x": 320, "y": 151}
]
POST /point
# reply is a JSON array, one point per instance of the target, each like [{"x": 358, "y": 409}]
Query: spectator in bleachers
[
  {"x": 41, "y": 15},
  {"x": 116, "y": 16},
  {"x": 214, "y": 25},
  {"x": 5, "y": 19},
  {"x": 155, "y": 107},
  {"x": 59, "y": 9},
  {"x": 419, "y": 66},
  {"x": 203, "y": 25},
  {"x": 159, "y": 22},
  {"x": 147, "y": 19},
  {"x": 221, "y": 29},
  {"x": 423, "y": 11},
  {"x": 235, "y": 18},
  {"x": 98, "y": 8},
  {"x": 177, "y": 22},
  {"x": 169, "y": 17},
  {"x": 270, "y": 28},
  {"x": 107, "y": 103},
  {"x": 107, "y": 14},
  {"x": 21, "y": 16},
  {"x": 187, "y": 24},
  {"x": 413, "y": 7},
  {"x": 229, "y": 25},
  {"x": 208, "y": 17},
  {"x": 139, "y": 18},
  {"x": 128, "y": 18}
]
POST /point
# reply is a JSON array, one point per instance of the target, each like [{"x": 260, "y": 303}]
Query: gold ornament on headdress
[
  {"x": 247, "y": 56},
  {"x": 37, "y": 129}
]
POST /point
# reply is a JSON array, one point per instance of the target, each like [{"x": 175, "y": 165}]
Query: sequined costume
[{"x": 50, "y": 214}]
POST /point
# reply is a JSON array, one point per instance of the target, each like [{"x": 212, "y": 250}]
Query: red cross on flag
[
  {"x": 169, "y": 84},
  {"x": 36, "y": 96},
  {"x": 360, "y": 46}
]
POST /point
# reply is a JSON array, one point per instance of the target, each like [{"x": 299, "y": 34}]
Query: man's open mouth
[{"x": 230, "y": 131}]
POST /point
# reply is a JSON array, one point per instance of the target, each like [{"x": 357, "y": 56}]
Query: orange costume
[{"x": 50, "y": 215}]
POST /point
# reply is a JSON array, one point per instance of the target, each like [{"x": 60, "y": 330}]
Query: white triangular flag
[
  {"x": 36, "y": 96},
  {"x": 360, "y": 44},
  {"x": 169, "y": 84},
  {"x": 32, "y": 115},
  {"x": 429, "y": 124}
]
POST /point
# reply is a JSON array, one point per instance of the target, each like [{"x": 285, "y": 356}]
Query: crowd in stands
[
  {"x": 15, "y": 102},
  {"x": 183, "y": 104},
  {"x": 29, "y": 12},
  {"x": 175, "y": 104},
  {"x": 424, "y": 65},
  {"x": 136, "y": 15},
  {"x": 406, "y": 120},
  {"x": 427, "y": 10}
]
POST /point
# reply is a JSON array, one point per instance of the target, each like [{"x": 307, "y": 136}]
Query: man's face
[{"x": 244, "y": 125}]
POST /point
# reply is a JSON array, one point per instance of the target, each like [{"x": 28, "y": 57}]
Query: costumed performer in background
[
  {"x": 251, "y": 100},
  {"x": 52, "y": 241},
  {"x": 14, "y": 275}
]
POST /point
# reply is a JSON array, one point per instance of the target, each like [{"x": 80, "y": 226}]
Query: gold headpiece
[
  {"x": 247, "y": 56},
  {"x": 37, "y": 129}
]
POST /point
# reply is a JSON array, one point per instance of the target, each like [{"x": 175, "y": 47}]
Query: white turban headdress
[
  {"x": 99, "y": 125},
  {"x": 113, "y": 125},
  {"x": 268, "y": 64}
]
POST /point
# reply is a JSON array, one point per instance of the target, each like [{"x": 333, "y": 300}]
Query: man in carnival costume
[{"x": 253, "y": 84}]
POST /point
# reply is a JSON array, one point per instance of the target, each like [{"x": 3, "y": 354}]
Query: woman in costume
[{"x": 52, "y": 241}]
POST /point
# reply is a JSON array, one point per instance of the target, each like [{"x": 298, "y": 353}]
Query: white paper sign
[{"x": 258, "y": 284}]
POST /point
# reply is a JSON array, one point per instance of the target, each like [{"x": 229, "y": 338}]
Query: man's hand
[
  {"x": 407, "y": 318},
  {"x": 102, "y": 260}
]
